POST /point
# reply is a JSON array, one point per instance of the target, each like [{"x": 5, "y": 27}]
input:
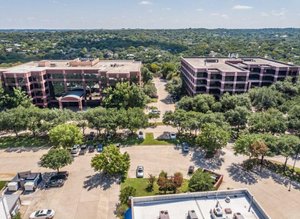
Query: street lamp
[{"x": 293, "y": 173}]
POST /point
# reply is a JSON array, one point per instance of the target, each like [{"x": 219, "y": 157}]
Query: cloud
[
  {"x": 280, "y": 13},
  {"x": 242, "y": 7},
  {"x": 275, "y": 13},
  {"x": 199, "y": 9},
  {"x": 264, "y": 14},
  {"x": 219, "y": 15},
  {"x": 145, "y": 3}
]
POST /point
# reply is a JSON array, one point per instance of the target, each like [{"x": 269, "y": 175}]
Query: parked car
[
  {"x": 155, "y": 111},
  {"x": 141, "y": 135},
  {"x": 185, "y": 147},
  {"x": 83, "y": 149},
  {"x": 57, "y": 180},
  {"x": 139, "y": 172},
  {"x": 75, "y": 150},
  {"x": 172, "y": 135},
  {"x": 54, "y": 183},
  {"x": 42, "y": 214},
  {"x": 91, "y": 148},
  {"x": 191, "y": 169},
  {"x": 99, "y": 148}
]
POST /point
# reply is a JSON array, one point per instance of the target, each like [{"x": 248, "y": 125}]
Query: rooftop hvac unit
[{"x": 192, "y": 214}]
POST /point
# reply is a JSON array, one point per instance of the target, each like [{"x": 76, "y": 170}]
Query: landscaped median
[{"x": 201, "y": 180}]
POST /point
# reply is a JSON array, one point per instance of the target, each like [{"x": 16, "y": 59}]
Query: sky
[{"x": 148, "y": 14}]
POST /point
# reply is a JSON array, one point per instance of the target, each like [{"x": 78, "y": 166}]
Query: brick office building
[
  {"x": 75, "y": 82},
  {"x": 233, "y": 75}
]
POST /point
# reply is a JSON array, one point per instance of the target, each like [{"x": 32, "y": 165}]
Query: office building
[{"x": 233, "y": 75}]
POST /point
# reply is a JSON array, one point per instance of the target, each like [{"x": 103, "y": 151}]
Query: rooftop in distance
[
  {"x": 233, "y": 64},
  {"x": 109, "y": 66},
  {"x": 199, "y": 206}
]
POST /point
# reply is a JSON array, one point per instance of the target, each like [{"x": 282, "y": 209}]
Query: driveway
[
  {"x": 85, "y": 194},
  {"x": 164, "y": 101}
]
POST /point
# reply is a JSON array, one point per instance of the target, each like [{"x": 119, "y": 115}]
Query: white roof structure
[{"x": 200, "y": 203}]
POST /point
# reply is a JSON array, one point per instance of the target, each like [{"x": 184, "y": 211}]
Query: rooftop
[
  {"x": 232, "y": 64},
  {"x": 109, "y": 66},
  {"x": 200, "y": 203}
]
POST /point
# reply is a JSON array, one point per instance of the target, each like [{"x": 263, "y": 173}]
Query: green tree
[
  {"x": 111, "y": 161},
  {"x": 264, "y": 98},
  {"x": 174, "y": 87},
  {"x": 126, "y": 193},
  {"x": 65, "y": 135},
  {"x": 150, "y": 90},
  {"x": 147, "y": 75},
  {"x": 271, "y": 120},
  {"x": 230, "y": 102},
  {"x": 294, "y": 119},
  {"x": 125, "y": 96},
  {"x": 287, "y": 145},
  {"x": 201, "y": 181},
  {"x": 237, "y": 117},
  {"x": 56, "y": 159},
  {"x": 212, "y": 138},
  {"x": 136, "y": 119},
  {"x": 259, "y": 148},
  {"x": 14, "y": 120},
  {"x": 243, "y": 144}
]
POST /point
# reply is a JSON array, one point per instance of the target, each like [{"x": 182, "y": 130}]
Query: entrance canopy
[{"x": 72, "y": 96}]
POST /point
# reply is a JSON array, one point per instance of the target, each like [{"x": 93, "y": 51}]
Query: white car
[
  {"x": 42, "y": 214},
  {"x": 140, "y": 172},
  {"x": 172, "y": 135},
  {"x": 75, "y": 150},
  {"x": 141, "y": 135}
]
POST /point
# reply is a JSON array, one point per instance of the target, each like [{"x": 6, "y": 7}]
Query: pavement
[{"x": 86, "y": 194}]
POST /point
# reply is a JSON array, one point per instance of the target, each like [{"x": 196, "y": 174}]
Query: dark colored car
[
  {"x": 57, "y": 180},
  {"x": 83, "y": 149},
  {"x": 99, "y": 148},
  {"x": 91, "y": 148},
  {"x": 191, "y": 169}
]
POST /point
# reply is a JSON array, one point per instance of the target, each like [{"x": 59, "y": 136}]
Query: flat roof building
[
  {"x": 235, "y": 204},
  {"x": 56, "y": 82},
  {"x": 233, "y": 75}
]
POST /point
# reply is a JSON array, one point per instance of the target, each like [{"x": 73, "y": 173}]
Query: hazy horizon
[{"x": 149, "y": 14}]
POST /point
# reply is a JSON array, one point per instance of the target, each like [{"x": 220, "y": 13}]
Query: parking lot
[
  {"x": 89, "y": 195},
  {"x": 84, "y": 195}
]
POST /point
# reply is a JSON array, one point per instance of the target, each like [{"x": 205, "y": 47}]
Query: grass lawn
[
  {"x": 149, "y": 140},
  {"x": 24, "y": 141},
  {"x": 140, "y": 184},
  {"x": 297, "y": 169},
  {"x": 2, "y": 184}
]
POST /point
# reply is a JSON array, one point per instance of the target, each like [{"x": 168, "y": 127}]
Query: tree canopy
[
  {"x": 65, "y": 135},
  {"x": 111, "y": 161},
  {"x": 56, "y": 159}
]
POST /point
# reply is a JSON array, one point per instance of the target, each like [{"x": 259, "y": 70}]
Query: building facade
[
  {"x": 75, "y": 82},
  {"x": 233, "y": 75}
]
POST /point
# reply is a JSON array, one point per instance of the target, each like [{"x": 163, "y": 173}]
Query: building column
[
  {"x": 60, "y": 104},
  {"x": 80, "y": 104}
]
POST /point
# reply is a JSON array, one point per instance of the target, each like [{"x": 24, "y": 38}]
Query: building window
[
  {"x": 253, "y": 77},
  {"x": 201, "y": 82},
  {"x": 228, "y": 86},
  {"x": 201, "y": 74},
  {"x": 270, "y": 71},
  {"x": 268, "y": 78},
  {"x": 73, "y": 76},
  {"x": 241, "y": 78},
  {"x": 58, "y": 76},
  {"x": 229, "y": 78},
  {"x": 216, "y": 77},
  {"x": 240, "y": 86},
  {"x": 282, "y": 73}
]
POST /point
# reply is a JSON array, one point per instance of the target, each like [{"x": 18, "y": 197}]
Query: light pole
[{"x": 298, "y": 150}]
